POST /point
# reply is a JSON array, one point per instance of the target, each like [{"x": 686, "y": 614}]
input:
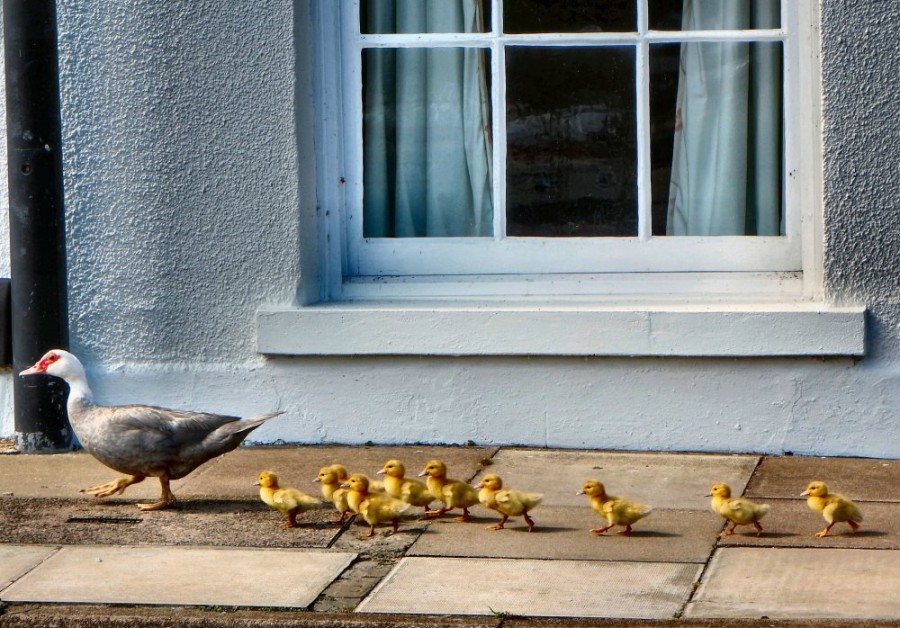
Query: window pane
[
  {"x": 713, "y": 14},
  {"x": 426, "y": 143},
  {"x": 726, "y": 155},
  {"x": 569, "y": 16},
  {"x": 571, "y": 141},
  {"x": 424, "y": 16}
]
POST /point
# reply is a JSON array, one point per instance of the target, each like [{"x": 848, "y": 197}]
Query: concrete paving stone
[
  {"x": 793, "y": 583},
  {"x": 180, "y": 576},
  {"x": 235, "y": 472},
  {"x": 64, "y": 475},
  {"x": 678, "y": 481},
  {"x": 564, "y": 533},
  {"x": 557, "y": 588},
  {"x": 866, "y": 479},
  {"x": 17, "y": 560},
  {"x": 790, "y": 523}
]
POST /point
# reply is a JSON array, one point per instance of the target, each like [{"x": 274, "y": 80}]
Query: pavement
[{"x": 222, "y": 558}]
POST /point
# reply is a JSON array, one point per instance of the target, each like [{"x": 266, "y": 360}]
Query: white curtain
[
  {"x": 727, "y": 161},
  {"x": 426, "y": 123}
]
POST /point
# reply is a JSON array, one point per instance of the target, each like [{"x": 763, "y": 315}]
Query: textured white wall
[{"x": 188, "y": 168}]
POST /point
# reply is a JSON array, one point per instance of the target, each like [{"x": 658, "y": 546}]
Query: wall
[{"x": 187, "y": 166}]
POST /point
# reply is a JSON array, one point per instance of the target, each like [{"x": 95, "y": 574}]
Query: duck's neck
[{"x": 80, "y": 394}]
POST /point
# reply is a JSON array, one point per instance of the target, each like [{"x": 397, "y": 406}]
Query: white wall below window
[{"x": 805, "y": 406}]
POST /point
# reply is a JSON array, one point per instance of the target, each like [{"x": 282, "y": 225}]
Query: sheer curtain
[
  {"x": 425, "y": 125},
  {"x": 727, "y": 162}
]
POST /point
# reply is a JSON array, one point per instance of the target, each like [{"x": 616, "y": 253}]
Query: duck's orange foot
[
  {"x": 114, "y": 487},
  {"x": 160, "y": 505}
]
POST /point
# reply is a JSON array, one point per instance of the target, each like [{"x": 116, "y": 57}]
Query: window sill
[{"x": 576, "y": 329}]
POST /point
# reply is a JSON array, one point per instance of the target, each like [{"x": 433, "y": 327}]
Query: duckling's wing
[{"x": 513, "y": 502}]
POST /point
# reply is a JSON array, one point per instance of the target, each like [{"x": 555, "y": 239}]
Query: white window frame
[
  {"x": 778, "y": 311},
  {"x": 361, "y": 268}
]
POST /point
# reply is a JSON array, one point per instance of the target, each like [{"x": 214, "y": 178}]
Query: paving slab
[
  {"x": 790, "y": 523},
  {"x": 678, "y": 481},
  {"x": 64, "y": 475},
  {"x": 556, "y": 588},
  {"x": 193, "y": 521},
  {"x": 564, "y": 533},
  {"x": 297, "y": 466},
  {"x": 791, "y": 583},
  {"x": 866, "y": 479},
  {"x": 180, "y": 576},
  {"x": 17, "y": 560}
]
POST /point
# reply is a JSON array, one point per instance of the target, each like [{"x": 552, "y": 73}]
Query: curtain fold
[
  {"x": 426, "y": 154},
  {"x": 727, "y": 160}
]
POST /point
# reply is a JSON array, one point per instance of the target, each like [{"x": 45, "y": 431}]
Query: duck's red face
[{"x": 43, "y": 364}]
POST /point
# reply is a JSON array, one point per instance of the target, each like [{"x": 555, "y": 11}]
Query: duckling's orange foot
[
  {"x": 599, "y": 531},
  {"x": 496, "y": 526},
  {"x": 431, "y": 514},
  {"x": 822, "y": 533},
  {"x": 725, "y": 533},
  {"x": 626, "y": 531}
]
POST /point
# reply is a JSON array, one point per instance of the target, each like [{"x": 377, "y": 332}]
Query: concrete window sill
[{"x": 577, "y": 329}]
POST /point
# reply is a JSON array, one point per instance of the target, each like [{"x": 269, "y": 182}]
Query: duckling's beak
[
  {"x": 580, "y": 493},
  {"x": 380, "y": 472},
  {"x": 479, "y": 485},
  {"x": 423, "y": 474},
  {"x": 345, "y": 485},
  {"x": 804, "y": 494},
  {"x": 709, "y": 494},
  {"x": 317, "y": 480},
  {"x": 256, "y": 484}
]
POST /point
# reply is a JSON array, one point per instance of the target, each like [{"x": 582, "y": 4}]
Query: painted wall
[{"x": 188, "y": 165}]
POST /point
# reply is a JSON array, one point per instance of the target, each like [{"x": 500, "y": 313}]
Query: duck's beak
[
  {"x": 380, "y": 472},
  {"x": 479, "y": 485},
  {"x": 422, "y": 475},
  {"x": 317, "y": 480},
  {"x": 256, "y": 484},
  {"x": 31, "y": 370},
  {"x": 804, "y": 494},
  {"x": 580, "y": 493},
  {"x": 709, "y": 494}
]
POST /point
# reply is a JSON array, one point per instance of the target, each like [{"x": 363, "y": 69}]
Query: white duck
[{"x": 139, "y": 440}]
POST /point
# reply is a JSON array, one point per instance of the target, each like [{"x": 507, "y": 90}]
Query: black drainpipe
[{"x": 39, "y": 318}]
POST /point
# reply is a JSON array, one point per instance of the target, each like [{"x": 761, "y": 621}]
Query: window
[
  {"x": 487, "y": 140},
  {"x": 563, "y": 178}
]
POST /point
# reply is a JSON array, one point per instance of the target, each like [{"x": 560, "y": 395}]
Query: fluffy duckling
[
  {"x": 374, "y": 507},
  {"x": 616, "y": 510},
  {"x": 396, "y": 484},
  {"x": 508, "y": 502},
  {"x": 834, "y": 507},
  {"x": 738, "y": 510},
  {"x": 453, "y": 493},
  {"x": 331, "y": 478},
  {"x": 287, "y": 501}
]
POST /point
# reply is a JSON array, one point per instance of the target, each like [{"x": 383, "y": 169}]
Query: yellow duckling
[
  {"x": 396, "y": 484},
  {"x": 374, "y": 507},
  {"x": 738, "y": 510},
  {"x": 616, "y": 510},
  {"x": 834, "y": 507},
  {"x": 287, "y": 501},
  {"x": 508, "y": 502},
  {"x": 453, "y": 493},
  {"x": 331, "y": 478}
]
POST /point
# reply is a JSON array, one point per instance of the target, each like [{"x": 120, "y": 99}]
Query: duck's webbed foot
[
  {"x": 114, "y": 487},
  {"x": 166, "y": 500}
]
